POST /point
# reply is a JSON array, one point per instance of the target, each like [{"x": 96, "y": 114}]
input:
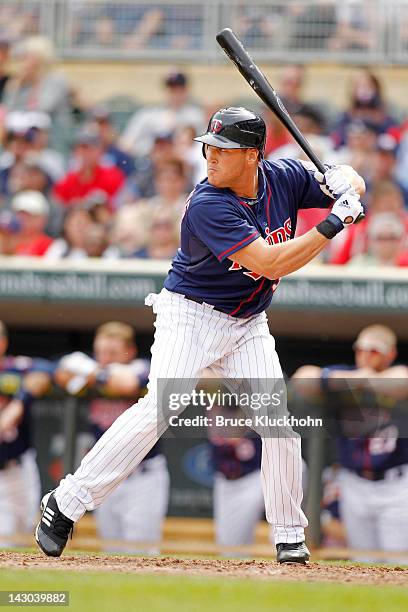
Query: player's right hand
[
  {"x": 348, "y": 208},
  {"x": 333, "y": 182}
]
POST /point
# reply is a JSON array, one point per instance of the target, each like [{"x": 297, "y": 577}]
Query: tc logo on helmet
[{"x": 216, "y": 126}]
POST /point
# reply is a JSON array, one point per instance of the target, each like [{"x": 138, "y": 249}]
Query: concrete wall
[{"x": 216, "y": 84}]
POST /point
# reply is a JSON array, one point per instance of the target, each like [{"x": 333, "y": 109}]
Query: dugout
[{"x": 53, "y": 308}]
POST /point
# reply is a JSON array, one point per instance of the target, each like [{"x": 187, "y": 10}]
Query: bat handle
[{"x": 316, "y": 161}]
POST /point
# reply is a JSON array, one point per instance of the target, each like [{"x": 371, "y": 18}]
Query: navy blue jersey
[
  {"x": 12, "y": 370},
  {"x": 379, "y": 450},
  {"x": 236, "y": 458},
  {"x": 217, "y": 223}
]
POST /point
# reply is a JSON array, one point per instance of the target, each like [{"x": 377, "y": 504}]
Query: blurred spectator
[
  {"x": 4, "y": 60},
  {"x": 25, "y": 146},
  {"x": 290, "y": 89},
  {"x": 21, "y": 380},
  {"x": 105, "y": 34},
  {"x": 112, "y": 154},
  {"x": 384, "y": 164},
  {"x": 277, "y": 135},
  {"x": 359, "y": 148},
  {"x": 371, "y": 445},
  {"x": 38, "y": 132},
  {"x": 71, "y": 244},
  {"x": 137, "y": 26},
  {"x": 20, "y": 19},
  {"x": 310, "y": 123},
  {"x": 114, "y": 377},
  {"x": 356, "y": 29},
  {"x": 168, "y": 26},
  {"x": 190, "y": 153},
  {"x": 31, "y": 211},
  {"x": 312, "y": 24},
  {"x": 129, "y": 233},
  {"x": 176, "y": 111},
  {"x": 147, "y": 28},
  {"x": 333, "y": 531},
  {"x": 386, "y": 197},
  {"x": 140, "y": 184},
  {"x": 259, "y": 26},
  {"x": 32, "y": 175},
  {"x": 170, "y": 183},
  {"x": 96, "y": 241},
  {"x": 164, "y": 235},
  {"x": 366, "y": 103},
  {"x": 15, "y": 146},
  {"x": 36, "y": 86},
  {"x": 9, "y": 226},
  {"x": 386, "y": 243},
  {"x": 97, "y": 204},
  {"x": 238, "y": 503},
  {"x": 104, "y": 24},
  {"x": 90, "y": 174}
]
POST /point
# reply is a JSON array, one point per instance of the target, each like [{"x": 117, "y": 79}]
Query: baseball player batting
[{"x": 236, "y": 242}]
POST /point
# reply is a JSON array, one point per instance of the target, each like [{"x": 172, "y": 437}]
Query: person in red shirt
[
  {"x": 90, "y": 175},
  {"x": 31, "y": 210}
]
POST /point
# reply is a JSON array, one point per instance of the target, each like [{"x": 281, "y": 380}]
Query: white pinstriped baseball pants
[{"x": 190, "y": 337}]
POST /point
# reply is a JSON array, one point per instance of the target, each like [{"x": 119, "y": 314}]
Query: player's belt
[{"x": 193, "y": 298}]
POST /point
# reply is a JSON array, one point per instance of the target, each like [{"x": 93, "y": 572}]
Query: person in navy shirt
[
  {"x": 132, "y": 518},
  {"x": 21, "y": 380},
  {"x": 236, "y": 243},
  {"x": 372, "y": 448},
  {"x": 237, "y": 496}
]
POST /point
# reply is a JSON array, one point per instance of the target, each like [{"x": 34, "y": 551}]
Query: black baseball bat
[{"x": 235, "y": 50}]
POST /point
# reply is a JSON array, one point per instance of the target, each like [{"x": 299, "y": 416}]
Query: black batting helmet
[{"x": 235, "y": 128}]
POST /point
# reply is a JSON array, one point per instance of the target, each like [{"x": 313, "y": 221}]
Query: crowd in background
[
  {"x": 334, "y": 25},
  {"x": 78, "y": 181},
  {"x": 365, "y": 453}
]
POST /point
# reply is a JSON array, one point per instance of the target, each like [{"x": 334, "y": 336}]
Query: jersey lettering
[
  {"x": 279, "y": 235},
  {"x": 385, "y": 443},
  {"x": 282, "y": 234}
]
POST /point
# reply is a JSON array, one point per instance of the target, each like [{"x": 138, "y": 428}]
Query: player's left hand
[
  {"x": 348, "y": 208},
  {"x": 339, "y": 179}
]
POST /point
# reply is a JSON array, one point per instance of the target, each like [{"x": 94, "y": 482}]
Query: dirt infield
[{"x": 314, "y": 572}]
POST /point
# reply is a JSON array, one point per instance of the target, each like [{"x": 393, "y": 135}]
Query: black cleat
[
  {"x": 292, "y": 553},
  {"x": 54, "y": 528}
]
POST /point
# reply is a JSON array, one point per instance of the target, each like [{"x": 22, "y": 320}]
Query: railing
[
  {"x": 351, "y": 31},
  {"x": 320, "y": 287}
]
